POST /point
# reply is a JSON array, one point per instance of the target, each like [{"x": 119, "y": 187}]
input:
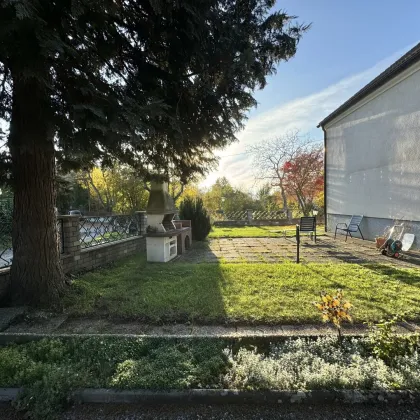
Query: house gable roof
[{"x": 407, "y": 60}]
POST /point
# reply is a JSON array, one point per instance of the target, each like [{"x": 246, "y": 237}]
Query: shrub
[
  {"x": 174, "y": 366},
  {"x": 334, "y": 309},
  {"x": 46, "y": 397},
  {"x": 385, "y": 344},
  {"x": 50, "y": 369},
  {"x": 320, "y": 364},
  {"x": 193, "y": 209}
]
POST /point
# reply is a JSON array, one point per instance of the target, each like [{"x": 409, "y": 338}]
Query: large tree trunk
[
  {"x": 36, "y": 275},
  {"x": 302, "y": 204}
]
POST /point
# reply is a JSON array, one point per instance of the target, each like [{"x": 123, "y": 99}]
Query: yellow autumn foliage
[{"x": 334, "y": 308}]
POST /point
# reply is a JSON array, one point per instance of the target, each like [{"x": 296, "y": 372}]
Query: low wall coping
[{"x": 4, "y": 271}]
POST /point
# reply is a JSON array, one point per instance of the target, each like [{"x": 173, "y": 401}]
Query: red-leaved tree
[
  {"x": 271, "y": 157},
  {"x": 304, "y": 177}
]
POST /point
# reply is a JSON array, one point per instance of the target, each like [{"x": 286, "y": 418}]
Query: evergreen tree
[
  {"x": 149, "y": 83},
  {"x": 193, "y": 209}
]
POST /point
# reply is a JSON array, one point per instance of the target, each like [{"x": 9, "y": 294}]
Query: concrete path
[
  {"x": 183, "y": 330},
  {"x": 41, "y": 323}
]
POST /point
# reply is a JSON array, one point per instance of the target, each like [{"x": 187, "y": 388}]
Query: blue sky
[{"x": 349, "y": 44}]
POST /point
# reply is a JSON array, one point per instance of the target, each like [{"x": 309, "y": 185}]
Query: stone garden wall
[{"x": 75, "y": 258}]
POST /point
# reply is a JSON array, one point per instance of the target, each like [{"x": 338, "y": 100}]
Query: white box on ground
[{"x": 161, "y": 249}]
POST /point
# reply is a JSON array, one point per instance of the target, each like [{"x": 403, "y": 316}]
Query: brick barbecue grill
[{"x": 161, "y": 237}]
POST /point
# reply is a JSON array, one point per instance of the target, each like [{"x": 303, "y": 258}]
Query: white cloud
[{"x": 303, "y": 114}]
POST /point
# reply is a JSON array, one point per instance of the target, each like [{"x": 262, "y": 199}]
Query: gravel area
[
  {"x": 196, "y": 412},
  {"x": 8, "y": 413},
  {"x": 231, "y": 412}
]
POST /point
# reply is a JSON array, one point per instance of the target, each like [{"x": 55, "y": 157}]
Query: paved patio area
[{"x": 275, "y": 250}]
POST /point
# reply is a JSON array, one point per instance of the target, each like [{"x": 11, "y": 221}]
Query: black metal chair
[
  {"x": 308, "y": 224},
  {"x": 352, "y": 227}
]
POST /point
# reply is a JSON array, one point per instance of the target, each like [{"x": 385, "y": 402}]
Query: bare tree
[{"x": 271, "y": 156}]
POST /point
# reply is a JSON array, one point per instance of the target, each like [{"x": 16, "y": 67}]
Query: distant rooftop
[{"x": 407, "y": 60}]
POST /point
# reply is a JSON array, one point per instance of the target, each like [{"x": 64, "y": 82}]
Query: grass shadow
[
  {"x": 150, "y": 292},
  {"x": 405, "y": 275},
  {"x": 377, "y": 291}
]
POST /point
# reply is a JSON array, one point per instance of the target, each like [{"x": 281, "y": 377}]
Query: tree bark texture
[{"x": 36, "y": 274}]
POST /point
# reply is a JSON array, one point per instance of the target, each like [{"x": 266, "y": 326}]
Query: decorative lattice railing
[
  {"x": 248, "y": 215},
  {"x": 101, "y": 230},
  {"x": 6, "y": 251},
  {"x": 269, "y": 215},
  {"x": 233, "y": 215}
]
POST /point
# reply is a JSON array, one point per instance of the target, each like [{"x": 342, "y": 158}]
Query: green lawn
[
  {"x": 251, "y": 231},
  {"x": 255, "y": 231},
  {"x": 243, "y": 293}
]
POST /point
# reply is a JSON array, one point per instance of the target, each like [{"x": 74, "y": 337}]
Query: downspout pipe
[{"x": 325, "y": 177}]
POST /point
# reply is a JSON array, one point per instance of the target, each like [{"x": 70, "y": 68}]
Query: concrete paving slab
[
  {"x": 38, "y": 324},
  {"x": 84, "y": 326},
  {"x": 8, "y": 315},
  {"x": 302, "y": 330},
  {"x": 326, "y": 249},
  {"x": 128, "y": 328}
]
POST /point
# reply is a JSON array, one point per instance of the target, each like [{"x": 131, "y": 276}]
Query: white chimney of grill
[{"x": 161, "y": 240}]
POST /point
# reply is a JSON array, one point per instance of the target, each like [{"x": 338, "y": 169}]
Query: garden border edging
[
  {"x": 22, "y": 338},
  {"x": 227, "y": 396}
]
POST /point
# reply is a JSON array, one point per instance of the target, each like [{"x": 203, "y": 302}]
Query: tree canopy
[
  {"x": 304, "y": 177},
  {"x": 154, "y": 84},
  {"x": 223, "y": 197},
  {"x": 151, "y": 83},
  {"x": 115, "y": 189}
]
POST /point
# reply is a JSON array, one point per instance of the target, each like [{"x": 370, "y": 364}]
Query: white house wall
[{"x": 373, "y": 154}]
